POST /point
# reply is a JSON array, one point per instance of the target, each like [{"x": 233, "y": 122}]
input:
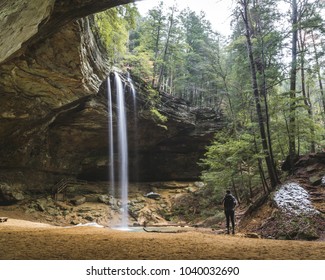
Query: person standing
[{"x": 229, "y": 204}]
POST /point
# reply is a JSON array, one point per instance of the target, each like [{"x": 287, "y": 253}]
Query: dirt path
[{"x": 28, "y": 240}]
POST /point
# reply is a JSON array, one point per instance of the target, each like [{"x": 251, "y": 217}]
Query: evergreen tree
[{"x": 114, "y": 25}]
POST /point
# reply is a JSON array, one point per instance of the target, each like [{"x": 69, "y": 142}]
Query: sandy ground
[{"x": 24, "y": 240}]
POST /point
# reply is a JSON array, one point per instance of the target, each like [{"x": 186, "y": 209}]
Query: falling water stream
[
  {"x": 122, "y": 144},
  {"x": 133, "y": 91},
  {"x": 110, "y": 138},
  {"x": 135, "y": 166},
  {"x": 122, "y": 150}
]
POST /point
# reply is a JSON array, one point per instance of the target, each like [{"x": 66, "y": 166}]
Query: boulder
[
  {"x": 199, "y": 184},
  {"x": 109, "y": 200},
  {"x": 78, "y": 200},
  {"x": 104, "y": 199},
  {"x": 10, "y": 193},
  {"x": 296, "y": 216},
  {"x": 315, "y": 180},
  {"x": 153, "y": 195},
  {"x": 3, "y": 219}
]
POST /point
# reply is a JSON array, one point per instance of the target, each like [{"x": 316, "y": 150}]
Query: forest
[{"x": 266, "y": 79}]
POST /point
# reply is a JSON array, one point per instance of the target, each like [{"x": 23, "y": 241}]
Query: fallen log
[
  {"x": 162, "y": 231},
  {"x": 168, "y": 225}
]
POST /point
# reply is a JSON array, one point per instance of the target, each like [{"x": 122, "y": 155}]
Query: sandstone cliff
[{"x": 53, "y": 115}]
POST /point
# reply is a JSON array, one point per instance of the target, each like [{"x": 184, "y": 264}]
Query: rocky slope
[{"x": 296, "y": 209}]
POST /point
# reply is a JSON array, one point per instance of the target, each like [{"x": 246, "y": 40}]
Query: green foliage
[
  {"x": 140, "y": 63},
  {"x": 230, "y": 162},
  {"x": 114, "y": 25},
  {"x": 157, "y": 115},
  {"x": 177, "y": 47}
]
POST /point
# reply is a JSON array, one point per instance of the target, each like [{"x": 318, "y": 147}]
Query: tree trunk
[
  {"x": 261, "y": 69},
  {"x": 261, "y": 171},
  {"x": 171, "y": 24},
  {"x": 319, "y": 76},
  {"x": 156, "y": 52},
  {"x": 293, "y": 79},
  {"x": 268, "y": 160},
  {"x": 302, "y": 50}
]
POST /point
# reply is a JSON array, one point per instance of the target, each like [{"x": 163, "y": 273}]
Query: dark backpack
[{"x": 229, "y": 202}]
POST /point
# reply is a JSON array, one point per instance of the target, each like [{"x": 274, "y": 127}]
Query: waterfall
[
  {"x": 110, "y": 138},
  {"x": 122, "y": 149},
  {"x": 135, "y": 119},
  {"x": 133, "y": 91}
]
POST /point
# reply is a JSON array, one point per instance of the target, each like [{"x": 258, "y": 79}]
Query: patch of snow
[
  {"x": 86, "y": 225},
  {"x": 89, "y": 225},
  {"x": 294, "y": 199},
  {"x": 323, "y": 181}
]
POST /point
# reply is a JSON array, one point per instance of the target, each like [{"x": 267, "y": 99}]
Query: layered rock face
[
  {"x": 24, "y": 23},
  {"x": 19, "y": 21},
  {"x": 53, "y": 114},
  {"x": 51, "y": 78},
  {"x": 156, "y": 152}
]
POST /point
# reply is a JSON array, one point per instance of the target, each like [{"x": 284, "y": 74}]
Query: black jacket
[{"x": 229, "y": 202}]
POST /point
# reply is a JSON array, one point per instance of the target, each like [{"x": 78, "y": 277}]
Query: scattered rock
[
  {"x": 10, "y": 194},
  {"x": 3, "y": 219},
  {"x": 62, "y": 205},
  {"x": 89, "y": 218},
  {"x": 251, "y": 235},
  {"x": 315, "y": 180},
  {"x": 40, "y": 206},
  {"x": 104, "y": 199},
  {"x": 109, "y": 200},
  {"x": 191, "y": 189},
  {"x": 147, "y": 216},
  {"x": 153, "y": 195},
  {"x": 53, "y": 211},
  {"x": 199, "y": 184},
  {"x": 65, "y": 212},
  {"x": 78, "y": 200}
]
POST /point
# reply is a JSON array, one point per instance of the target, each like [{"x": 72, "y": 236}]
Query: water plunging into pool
[
  {"x": 118, "y": 175},
  {"x": 122, "y": 150}
]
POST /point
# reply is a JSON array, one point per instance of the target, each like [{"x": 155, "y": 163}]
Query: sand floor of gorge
[{"x": 25, "y": 240}]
